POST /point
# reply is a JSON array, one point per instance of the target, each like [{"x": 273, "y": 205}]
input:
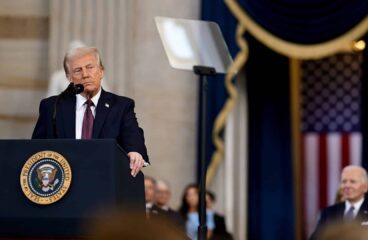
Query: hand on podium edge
[{"x": 136, "y": 162}]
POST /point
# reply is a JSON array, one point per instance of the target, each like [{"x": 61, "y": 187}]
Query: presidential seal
[{"x": 45, "y": 177}]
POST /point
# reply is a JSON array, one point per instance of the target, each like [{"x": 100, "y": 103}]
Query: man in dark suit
[
  {"x": 354, "y": 185},
  {"x": 149, "y": 193},
  {"x": 161, "y": 207},
  {"x": 94, "y": 113}
]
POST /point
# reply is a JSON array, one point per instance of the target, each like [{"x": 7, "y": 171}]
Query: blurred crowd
[{"x": 186, "y": 218}]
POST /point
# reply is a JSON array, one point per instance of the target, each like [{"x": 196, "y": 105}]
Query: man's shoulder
[
  {"x": 334, "y": 210},
  {"x": 364, "y": 206},
  {"x": 49, "y": 101},
  {"x": 117, "y": 98},
  {"x": 219, "y": 216}
]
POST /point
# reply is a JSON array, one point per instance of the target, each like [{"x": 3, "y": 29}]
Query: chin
[{"x": 89, "y": 91}]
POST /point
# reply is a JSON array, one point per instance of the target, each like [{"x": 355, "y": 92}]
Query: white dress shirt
[
  {"x": 80, "y": 109},
  {"x": 356, "y": 206}
]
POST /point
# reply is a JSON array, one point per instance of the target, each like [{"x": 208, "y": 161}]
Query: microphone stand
[
  {"x": 71, "y": 90},
  {"x": 203, "y": 72}
]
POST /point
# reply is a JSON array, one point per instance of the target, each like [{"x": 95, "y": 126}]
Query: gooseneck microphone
[{"x": 71, "y": 90}]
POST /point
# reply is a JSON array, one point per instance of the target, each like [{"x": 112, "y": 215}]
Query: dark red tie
[{"x": 87, "y": 126}]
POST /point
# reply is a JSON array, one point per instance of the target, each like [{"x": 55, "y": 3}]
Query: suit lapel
[
  {"x": 67, "y": 113},
  {"x": 103, "y": 107},
  {"x": 341, "y": 210},
  {"x": 363, "y": 211}
]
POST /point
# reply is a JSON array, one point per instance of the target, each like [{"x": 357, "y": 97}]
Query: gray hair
[
  {"x": 79, "y": 52},
  {"x": 361, "y": 169},
  {"x": 163, "y": 182}
]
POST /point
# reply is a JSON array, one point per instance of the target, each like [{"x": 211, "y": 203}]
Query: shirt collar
[
  {"x": 166, "y": 208},
  {"x": 356, "y": 205},
  {"x": 81, "y": 99}
]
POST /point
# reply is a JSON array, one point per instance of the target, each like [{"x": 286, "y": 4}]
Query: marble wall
[{"x": 23, "y": 64}]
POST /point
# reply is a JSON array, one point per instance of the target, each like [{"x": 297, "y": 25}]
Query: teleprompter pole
[{"x": 203, "y": 72}]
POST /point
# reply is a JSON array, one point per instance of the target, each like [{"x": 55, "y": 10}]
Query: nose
[{"x": 84, "y": 72}]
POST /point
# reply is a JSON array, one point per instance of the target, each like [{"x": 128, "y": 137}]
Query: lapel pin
[{"x": 107, "y": 105}]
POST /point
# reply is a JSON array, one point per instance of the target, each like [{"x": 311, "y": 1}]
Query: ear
[
  {"x": 365, "y": 187},
  {"x": 68, "y": 77}
]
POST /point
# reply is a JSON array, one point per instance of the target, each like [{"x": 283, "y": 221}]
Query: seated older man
[{"x": 354, "y": 185}]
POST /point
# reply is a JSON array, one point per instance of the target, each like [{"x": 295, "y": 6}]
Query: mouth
[{"x": 85, "y": 84}]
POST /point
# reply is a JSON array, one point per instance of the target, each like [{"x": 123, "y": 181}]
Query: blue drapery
[
  {"x": 270, "y": 175},
  {"x": 216, "y": 10},
  {"x": 306, "y": 21},
  {"x": 270, "y": 183},
  {"x": 364, "y": 106}
]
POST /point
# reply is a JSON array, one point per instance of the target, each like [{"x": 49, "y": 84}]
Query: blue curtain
[
  {"x": 364, "y": 106},
  {"x": 216, "y": 11},
  {"x": 270, "y": 183},
  {"x": 306, "y": 21},
  {"x": 270, "y": 175}
]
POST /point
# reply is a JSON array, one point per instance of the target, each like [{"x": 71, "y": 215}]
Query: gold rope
[
  {"x": 295, "y": 76},
  {"x": 220, "y": 120},
  {"x": 294, "y": 50}
]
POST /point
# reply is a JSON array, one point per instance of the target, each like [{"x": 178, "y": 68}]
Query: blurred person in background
[
  {"x": 149, "y": 191},
  {"x": 189, "y": 211},
  {"x": 354, "y": 185},
  {"x": 219, "y": 232},
  {"x": 161, "y": 207}
]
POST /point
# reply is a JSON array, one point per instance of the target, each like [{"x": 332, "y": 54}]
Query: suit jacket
[
  {"x": 169, "y": 214},
  {"x": 115, "y": 118},
  {"x": 335, "y": 213},
  {"x": 220, "y": 231}
]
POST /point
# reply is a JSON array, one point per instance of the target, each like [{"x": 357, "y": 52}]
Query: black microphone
[{"x": 71, "y": 90}]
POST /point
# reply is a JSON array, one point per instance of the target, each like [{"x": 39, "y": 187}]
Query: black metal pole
[
  {"x": 203, "y": 72},
  {"x": 202, "y": 228}
]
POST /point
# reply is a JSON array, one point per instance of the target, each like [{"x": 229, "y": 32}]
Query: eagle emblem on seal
[{"x": 46, "y": 177}]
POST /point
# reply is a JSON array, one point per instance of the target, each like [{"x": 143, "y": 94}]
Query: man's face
[
  {"x": 162, "y": 195},
  {"x": 149, "y": 190},
  {"x": 87, "y": 71},
  {"x": 352, "y": 184}
]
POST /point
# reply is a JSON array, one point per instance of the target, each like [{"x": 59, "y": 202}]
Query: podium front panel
[{"x": 101, "y": 181}]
